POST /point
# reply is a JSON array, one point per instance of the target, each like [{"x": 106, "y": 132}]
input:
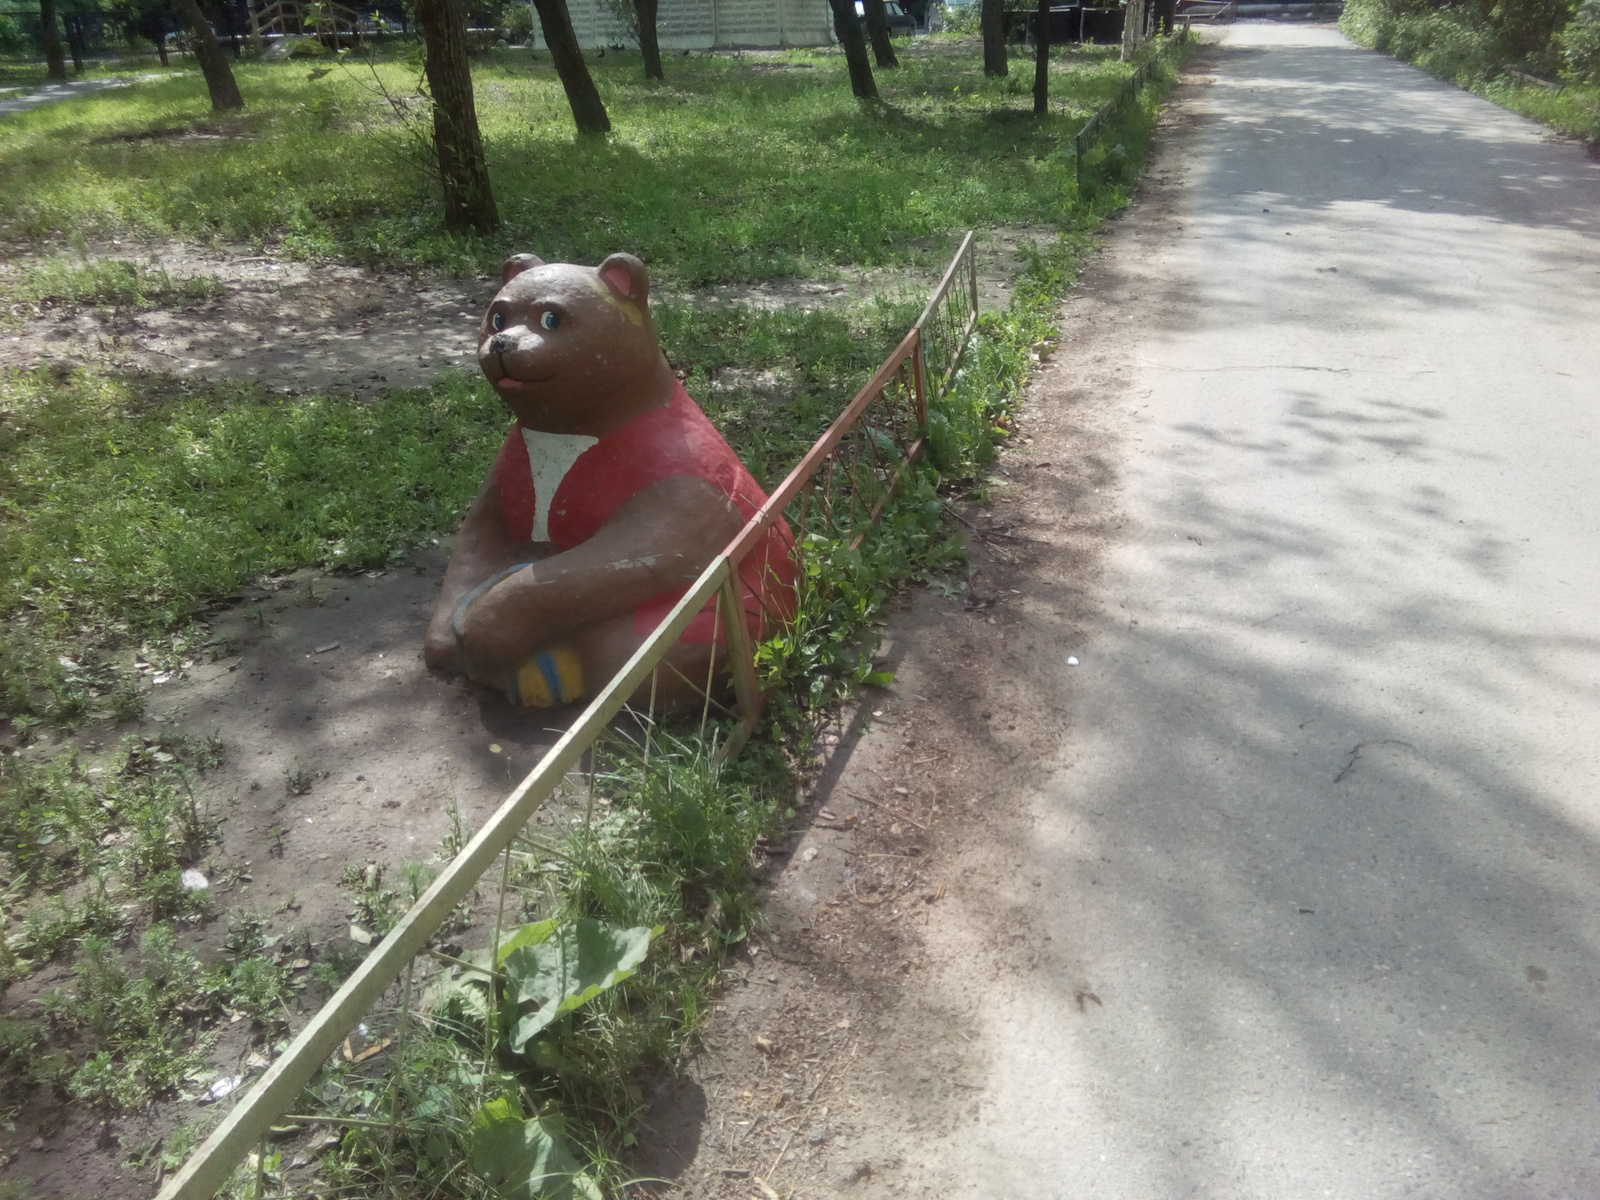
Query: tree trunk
[
  {"x": 75, "y": 41},
  {"x": 588, "y": 111},
  {"x": 1166, "y": 13},
  {"x": 1041, "y": 61},
  {"x": 213, "y": 62},
  {"x": 50, "y": 34},
  {"x": 468, "y": 198},
  {"x": 848, "y": 30},
  {"x": 992, "y": 18},
  {"x": 649, "y": 47},
  {"x": 878, "y": 31},
  {"x": 1132, "y": 28}
]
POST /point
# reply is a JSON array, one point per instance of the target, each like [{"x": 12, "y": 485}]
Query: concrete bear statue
[{"x": 610, "y": 495}]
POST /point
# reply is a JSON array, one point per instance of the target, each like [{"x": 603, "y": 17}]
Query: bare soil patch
[{"x": 340, "y": 749}]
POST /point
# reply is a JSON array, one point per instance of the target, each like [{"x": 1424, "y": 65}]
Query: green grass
[
  {"x": 1574, "y": 109},
  {"x": 731, "y": 169},
  {"x": 72, "y": 282},
  {"x": 128, "y": 503}
]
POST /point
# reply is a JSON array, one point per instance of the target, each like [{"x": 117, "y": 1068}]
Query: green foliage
[
  {"x": 818, "y": 359},
  {"x": 14, "y": 38},
  {"x": 519, "y": 22},
  {"x": 1450, "y": 43},
  {"x": 94, "y": 858},
  {"x": 963, "y": 20},
  {"x": 526, "y": 1159},
  {"x": 1580, "y": 44},
  {"x": 844, "y": 590},
  {"x": 131, "y": 828},
  {"x": 134, "y": 1023},
  {"x": 565, "y": 968},
  {"x": 1479, "y": 46}
]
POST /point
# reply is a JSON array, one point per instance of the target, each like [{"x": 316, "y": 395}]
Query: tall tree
[
  {"x": 588, "y": 111},
  {"x": 855, "y": 49},
  {"x": 878, "y": 31},
  {"x": 468, "y": 198},
  {"x": 213, "y": 62},
  {"x": 644, "y": 12},
  {"x": 50, "y": 34},
  {"x": 992, "y": 21},
  {"x": 1041, "y": 60}
]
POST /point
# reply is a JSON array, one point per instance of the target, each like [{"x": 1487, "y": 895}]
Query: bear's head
[{"x": 572, "y": 349}]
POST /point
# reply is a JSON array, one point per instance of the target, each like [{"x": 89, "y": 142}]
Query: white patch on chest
[{"x": 550, "y": 457}]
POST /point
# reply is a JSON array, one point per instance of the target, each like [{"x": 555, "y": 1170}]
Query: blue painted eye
[
  {"x": 497, "y": 322},
  {"x": 550, "y": 320}
]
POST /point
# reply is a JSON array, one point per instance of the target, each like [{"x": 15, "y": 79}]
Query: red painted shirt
[{"x": 675, "y": 439}]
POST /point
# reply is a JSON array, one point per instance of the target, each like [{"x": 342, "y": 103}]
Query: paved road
[{"x": 1325, "y": 837}]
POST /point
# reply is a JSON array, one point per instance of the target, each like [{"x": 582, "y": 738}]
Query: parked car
[{"x": 901, "y": 23}]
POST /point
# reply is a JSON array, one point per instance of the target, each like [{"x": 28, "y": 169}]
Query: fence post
[
  {"x": 919, "y": 380},
  {"x": 972, "y": 282},
  {"x": 742, "y": 661}
]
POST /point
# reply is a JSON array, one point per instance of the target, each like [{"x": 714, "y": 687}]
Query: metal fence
[
  {"x": 833, "y": 495},
  {"x": 1113, "y": 109}
]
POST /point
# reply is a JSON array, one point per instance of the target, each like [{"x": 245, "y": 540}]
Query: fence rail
[
  {"x": 836, "y": 490},
  {"x": 1127, "y": 92}
]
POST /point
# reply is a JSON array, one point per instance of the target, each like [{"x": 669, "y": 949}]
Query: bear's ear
[
  {"x": 626, "y": 277},
  {"x": 516, "y": 265}
]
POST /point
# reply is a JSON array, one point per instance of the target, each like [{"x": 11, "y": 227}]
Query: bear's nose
[{"x": 500, "y": 343}]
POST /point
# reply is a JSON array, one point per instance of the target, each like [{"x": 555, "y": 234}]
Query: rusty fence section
[{"x": 831, "y": 498}]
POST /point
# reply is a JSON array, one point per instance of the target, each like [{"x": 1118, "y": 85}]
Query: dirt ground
[{"x": 821, "y": 1053}]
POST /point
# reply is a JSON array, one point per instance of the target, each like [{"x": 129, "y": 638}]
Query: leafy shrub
[
  {"x": 1580, "y": 44},
  {"x": 964, "y": 19},
  {"x": 14, "y": 39},
  {"x": 518, "y": 24}
]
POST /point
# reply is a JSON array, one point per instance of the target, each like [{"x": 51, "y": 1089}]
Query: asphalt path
[
  {"x": 15, "y": 100},
  {"x": 1323, "y": 834}
]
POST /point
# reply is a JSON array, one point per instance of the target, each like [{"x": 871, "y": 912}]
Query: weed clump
[{"x": 98, "y": 859}]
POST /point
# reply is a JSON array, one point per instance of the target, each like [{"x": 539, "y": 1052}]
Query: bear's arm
[
  {"x": 659, "y": 538},
  {"x": 482, "y": 547}
]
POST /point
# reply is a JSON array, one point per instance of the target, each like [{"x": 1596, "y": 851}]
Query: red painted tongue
[{"x": 508, "y": 384}]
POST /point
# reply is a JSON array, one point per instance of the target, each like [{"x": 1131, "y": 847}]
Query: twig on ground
[{"x": 893, "y": 812}]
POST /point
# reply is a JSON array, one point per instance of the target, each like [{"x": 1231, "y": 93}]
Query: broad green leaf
[
  {"x": 529, "y": 935},
  {"x": 582, "y": 960},
  {"x": 525, "y": 1160}
]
